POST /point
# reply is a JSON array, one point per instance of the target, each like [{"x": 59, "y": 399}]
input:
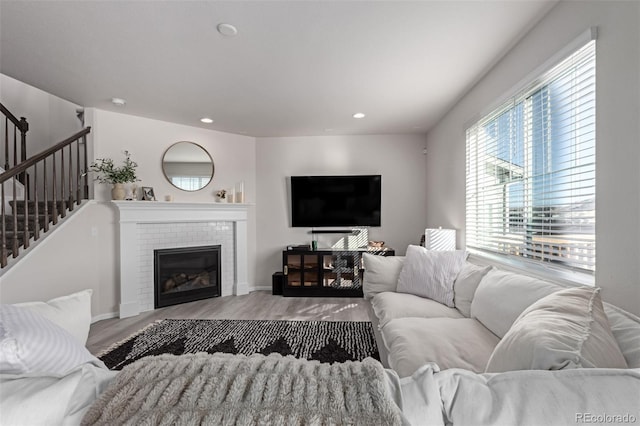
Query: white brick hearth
[{"x": 146, "y": 226}]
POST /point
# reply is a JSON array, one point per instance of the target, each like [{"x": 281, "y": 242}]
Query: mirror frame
[{"x": 213, "y": 166}]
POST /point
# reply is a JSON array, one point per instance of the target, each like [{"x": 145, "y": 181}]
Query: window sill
[{"x": 546, "y": 272}]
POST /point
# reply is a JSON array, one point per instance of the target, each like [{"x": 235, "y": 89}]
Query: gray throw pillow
[{"x": 465, "y": 286}]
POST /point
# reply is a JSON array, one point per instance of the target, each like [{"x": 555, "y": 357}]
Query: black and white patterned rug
[{"x": 325, "y": 341}]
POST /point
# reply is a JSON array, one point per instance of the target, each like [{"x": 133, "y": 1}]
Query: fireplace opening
[{"x": 186, "y": 274}]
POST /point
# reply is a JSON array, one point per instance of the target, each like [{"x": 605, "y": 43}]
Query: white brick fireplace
[{"x": 146, "y": 226}]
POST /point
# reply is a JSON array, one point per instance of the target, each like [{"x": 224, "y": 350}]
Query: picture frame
[{"x": 148, "y": 194}]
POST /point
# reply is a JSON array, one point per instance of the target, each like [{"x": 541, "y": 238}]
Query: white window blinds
[{"x": 530, "y": 189}]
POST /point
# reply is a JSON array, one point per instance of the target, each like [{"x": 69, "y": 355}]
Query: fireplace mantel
[{"x": 138, "y": 217}]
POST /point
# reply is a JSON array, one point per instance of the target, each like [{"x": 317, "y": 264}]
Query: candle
[{"x": 240, "y": 193}]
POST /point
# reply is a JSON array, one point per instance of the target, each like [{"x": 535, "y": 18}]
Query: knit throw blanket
[{"x": 225, "y": 389}]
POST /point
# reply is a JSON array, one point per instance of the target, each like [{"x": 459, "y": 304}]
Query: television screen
[{"x": 319, "y": 201}]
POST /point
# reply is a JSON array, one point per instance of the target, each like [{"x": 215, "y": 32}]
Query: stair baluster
[
  {"x": 54, "y": 213},
  {"x": 45, "y": 195},
  {"x": 71, "y": 175},
  {"x": 3, "y": 228},
  {"x": 36, "y": 207}
]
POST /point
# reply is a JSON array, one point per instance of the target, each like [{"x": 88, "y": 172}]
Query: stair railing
[
  {"x": 49, "y": 182},
  {"x": 20, "y": 126}
]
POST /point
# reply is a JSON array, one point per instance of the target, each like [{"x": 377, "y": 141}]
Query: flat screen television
[{"x": 323, "y": 201}]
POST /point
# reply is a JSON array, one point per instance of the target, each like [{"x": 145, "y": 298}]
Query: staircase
[
  {"x": 37, "y": 192},
  {"x": 16, "y": 226}
]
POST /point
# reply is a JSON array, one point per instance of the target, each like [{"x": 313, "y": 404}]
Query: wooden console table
[{"x": 328, "y": 273}]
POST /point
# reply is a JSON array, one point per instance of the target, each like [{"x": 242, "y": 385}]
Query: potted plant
[
  {"x": 117, "y": 176},
  {"x": 222, "y": 194}
]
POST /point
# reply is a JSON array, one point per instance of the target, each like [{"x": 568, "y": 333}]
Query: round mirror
[{"x": 188, "y": 166}]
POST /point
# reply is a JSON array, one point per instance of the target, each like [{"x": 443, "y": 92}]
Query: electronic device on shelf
[{"x": 300, "y": 247}]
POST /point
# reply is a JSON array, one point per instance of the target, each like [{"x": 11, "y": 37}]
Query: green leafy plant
[{"x": 108, "y": 173}]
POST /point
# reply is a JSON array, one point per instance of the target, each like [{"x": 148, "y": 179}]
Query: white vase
[{"x": 118, "y": 192}]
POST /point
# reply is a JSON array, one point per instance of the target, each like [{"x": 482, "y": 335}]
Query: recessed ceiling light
[
  {"x": 206, "y": 120},
  {"x": 227, "y": 30},
  {"x": 359, "y": 115},
  {"x": 119, "y": 102}
]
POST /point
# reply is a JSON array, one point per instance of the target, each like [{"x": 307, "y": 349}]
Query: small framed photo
[{"x": 147, "y": 193}]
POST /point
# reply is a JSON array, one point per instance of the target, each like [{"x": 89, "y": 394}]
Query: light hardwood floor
[{"x": 255, "y": 305}]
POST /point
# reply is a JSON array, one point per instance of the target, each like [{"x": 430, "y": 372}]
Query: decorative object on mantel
[
  {"x": 239, "y": 192},
  {"x": 221, "y": 195},
  {"x": 117, "y": 176},
  {"x": 131, "y": 192},
  {"x": 376, "y": 244},
  {"x": 148, "y": 194}
]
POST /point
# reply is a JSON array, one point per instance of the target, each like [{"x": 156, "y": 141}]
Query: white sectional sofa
[
  {"x": 499, "y": 321},
  {"x": 440, "y": 353}
]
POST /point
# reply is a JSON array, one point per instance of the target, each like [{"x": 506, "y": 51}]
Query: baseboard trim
[
  {"x": 104, "y": 317},
  {"x": 259, "y": 288}
]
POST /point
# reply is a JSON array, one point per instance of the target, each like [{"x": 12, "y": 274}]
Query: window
[
  {"x": 190, "y": 183},
  {"x": 530, "y": 190}
]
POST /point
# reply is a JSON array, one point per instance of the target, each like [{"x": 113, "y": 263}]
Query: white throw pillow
[
  {"x": 502, "y": 296},
  {"x": 31, "y": 344},
  {"x": 567, "y": 329},
  {"x": 431, "y": 273},
  {"x": 466, "y": 284},
  {"x": 380, "y": 273},
  {"x": 72, "y": 312}
]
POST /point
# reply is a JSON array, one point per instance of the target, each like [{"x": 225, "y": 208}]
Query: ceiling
[{"x": 295, "y": 67}]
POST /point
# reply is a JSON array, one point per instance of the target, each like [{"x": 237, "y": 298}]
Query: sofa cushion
[
  {"x": 466, "y": 284},
  {"x": 567, "y": 329},
  {"x": 568, "y": 397},
  {"x": 72, "y": 313},
  {"x": 380, "y": 273},
  {"x": 450, "y": 343},
  {"x": 389, "y": 305},
  {"x": 502, "y": 296},
  {"x": 626, "y": 330},
  {"x": 431, "y": 273}
]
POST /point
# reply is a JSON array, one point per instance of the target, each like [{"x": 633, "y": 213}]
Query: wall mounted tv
[{"x": 322, "y": 201}]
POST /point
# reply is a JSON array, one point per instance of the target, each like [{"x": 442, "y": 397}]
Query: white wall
[
  {"x": 78, "y": 255},
  {"x": 90, "y": 242},
  {"x": 51, "y": 119},
  {"x": 398, "y": 158},
  {"x": 146, "y": 140},
  {"x": 617, "y": 143}
]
